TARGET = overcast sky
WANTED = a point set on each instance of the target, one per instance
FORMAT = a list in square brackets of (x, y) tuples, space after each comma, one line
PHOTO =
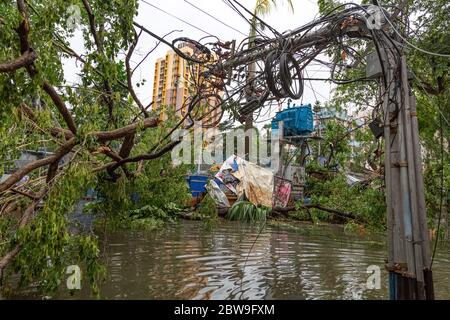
[(281, 19)]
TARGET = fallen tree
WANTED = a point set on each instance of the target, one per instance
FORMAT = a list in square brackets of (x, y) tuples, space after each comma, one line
[(345, 215), (92, 128)]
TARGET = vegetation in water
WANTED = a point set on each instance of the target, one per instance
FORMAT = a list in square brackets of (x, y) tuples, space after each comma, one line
[(207, 207), (207, 212), (247, 212)]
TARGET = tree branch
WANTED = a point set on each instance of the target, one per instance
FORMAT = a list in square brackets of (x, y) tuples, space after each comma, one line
[(91, 18), (147, 156), (29, 194), (129, 74), (52, 170), (24, 27), (75, 55), (23, 32), (103, 136), (127, 146), (19, 174), (61, 106), (55, 131), (346, 215), (111, 154), (24, 60), (25, 218)]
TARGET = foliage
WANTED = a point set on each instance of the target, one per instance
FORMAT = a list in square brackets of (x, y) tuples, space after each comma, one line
[(41, 110), (247, 212), (157, 184), (207, 211), (207, 207), (429, 30), (367, 203), (149, 217), (48, 247)]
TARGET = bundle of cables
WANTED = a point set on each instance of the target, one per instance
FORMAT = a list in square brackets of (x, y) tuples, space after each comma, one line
[(283, 75)]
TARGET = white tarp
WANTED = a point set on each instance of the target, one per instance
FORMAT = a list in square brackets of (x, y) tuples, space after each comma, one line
[(352, 179), (255, 182)]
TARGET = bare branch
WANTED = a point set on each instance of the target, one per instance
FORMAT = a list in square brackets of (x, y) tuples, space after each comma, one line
[(129, 75), (147, 156), (153, 49)]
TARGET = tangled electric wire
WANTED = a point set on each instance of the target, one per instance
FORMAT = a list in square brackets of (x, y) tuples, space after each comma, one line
[(261, 69)]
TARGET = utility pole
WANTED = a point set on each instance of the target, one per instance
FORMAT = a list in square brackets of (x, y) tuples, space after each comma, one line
[(248, 127), (409, 256), (409, 252)]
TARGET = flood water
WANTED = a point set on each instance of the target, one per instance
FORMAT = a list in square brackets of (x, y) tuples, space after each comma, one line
[(236, 261)]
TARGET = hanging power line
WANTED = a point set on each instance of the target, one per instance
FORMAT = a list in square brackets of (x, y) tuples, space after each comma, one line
[(312, 87), (178, 18), (274, 31), (314, 92), (419, 83), (233, 7), (218, 20), (412, 45)]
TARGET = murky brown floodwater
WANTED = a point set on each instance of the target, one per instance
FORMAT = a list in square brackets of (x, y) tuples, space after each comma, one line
[(188, 261)]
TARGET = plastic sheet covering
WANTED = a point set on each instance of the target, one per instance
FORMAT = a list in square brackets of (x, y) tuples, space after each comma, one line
[(217, 195), (224, 174), (256, 183), (282, 194)]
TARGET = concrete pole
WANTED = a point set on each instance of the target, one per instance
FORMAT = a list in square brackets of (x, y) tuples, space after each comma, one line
[(417, 238), (408, 240), (397, 262), (425, 237), (387, 179)]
